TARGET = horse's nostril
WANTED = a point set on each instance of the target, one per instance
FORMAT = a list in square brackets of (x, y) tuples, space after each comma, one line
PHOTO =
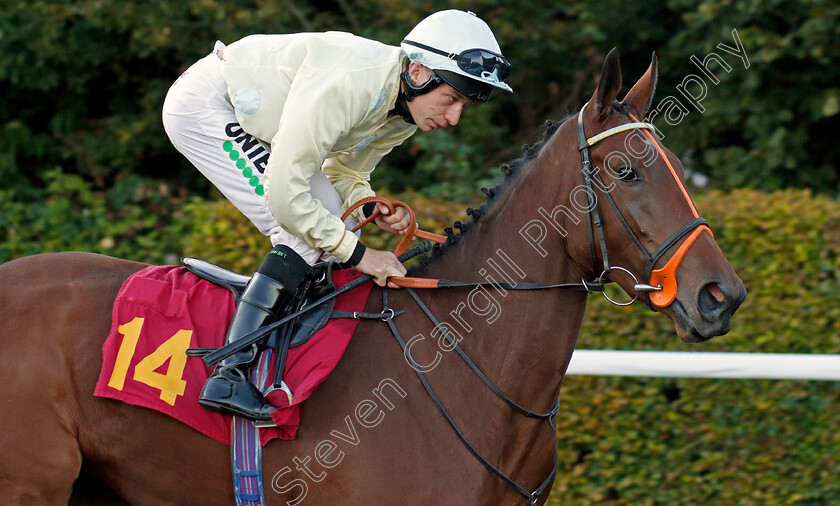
[(716, 292), (712, 300)]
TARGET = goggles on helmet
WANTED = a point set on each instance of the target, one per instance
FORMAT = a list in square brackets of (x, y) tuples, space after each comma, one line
[(476, 62)]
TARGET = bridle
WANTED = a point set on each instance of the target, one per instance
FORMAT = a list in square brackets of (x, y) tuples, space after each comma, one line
[(660, 284)]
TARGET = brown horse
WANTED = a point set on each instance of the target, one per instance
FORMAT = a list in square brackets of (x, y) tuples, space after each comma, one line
[(371, 434)]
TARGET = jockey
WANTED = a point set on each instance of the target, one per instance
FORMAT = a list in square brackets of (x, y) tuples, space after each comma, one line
[(290, 127)]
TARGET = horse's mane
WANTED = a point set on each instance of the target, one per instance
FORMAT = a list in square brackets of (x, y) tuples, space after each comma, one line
[(529, 152)]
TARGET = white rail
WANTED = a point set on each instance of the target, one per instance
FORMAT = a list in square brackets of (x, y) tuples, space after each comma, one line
[(705, 365)]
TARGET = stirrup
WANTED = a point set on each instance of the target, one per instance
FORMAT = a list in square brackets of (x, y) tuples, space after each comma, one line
[(285, 388)]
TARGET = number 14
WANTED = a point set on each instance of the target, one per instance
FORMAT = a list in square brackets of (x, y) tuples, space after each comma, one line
[(174, 349)]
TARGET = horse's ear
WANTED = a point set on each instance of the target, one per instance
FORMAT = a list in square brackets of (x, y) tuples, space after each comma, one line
[(608, 86), (640, 97)]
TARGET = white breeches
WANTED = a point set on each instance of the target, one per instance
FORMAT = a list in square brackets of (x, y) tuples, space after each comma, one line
[(200, 121)]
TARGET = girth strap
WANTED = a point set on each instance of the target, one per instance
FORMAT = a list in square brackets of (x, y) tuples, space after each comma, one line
[(356, 315)]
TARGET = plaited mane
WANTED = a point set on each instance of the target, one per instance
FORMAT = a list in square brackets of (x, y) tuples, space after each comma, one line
[(509, 170)]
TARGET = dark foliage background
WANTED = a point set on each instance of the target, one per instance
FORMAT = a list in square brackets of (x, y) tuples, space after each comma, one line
[(82, 84)]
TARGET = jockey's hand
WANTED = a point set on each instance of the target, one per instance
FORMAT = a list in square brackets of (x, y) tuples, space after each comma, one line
[(381, 265), (396, 223)]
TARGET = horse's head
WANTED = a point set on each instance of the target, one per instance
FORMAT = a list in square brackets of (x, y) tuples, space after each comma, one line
[(649, 227)]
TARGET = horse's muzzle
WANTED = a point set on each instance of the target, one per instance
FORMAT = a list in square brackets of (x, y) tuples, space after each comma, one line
[(711, 315)]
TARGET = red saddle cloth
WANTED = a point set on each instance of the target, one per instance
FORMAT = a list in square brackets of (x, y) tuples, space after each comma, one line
[(161, 311)]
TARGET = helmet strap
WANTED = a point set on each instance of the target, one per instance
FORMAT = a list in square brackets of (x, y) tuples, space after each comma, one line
[(412, 90), (401, 108), (409, 90)]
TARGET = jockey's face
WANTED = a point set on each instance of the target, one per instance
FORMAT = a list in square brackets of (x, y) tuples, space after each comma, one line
[(438, 108)]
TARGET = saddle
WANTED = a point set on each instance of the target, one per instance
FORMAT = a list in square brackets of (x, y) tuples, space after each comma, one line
[(318, 284)]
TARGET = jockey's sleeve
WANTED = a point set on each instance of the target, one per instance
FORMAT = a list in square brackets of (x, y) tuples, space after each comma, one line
[(352, 184), (318, 111), (350, 172)]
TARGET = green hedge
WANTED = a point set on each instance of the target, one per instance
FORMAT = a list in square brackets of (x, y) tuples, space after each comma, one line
[(136, 218), (692, 441), (620, 440)]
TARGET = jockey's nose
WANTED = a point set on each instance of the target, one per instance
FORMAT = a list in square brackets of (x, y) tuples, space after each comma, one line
[(453, 114)]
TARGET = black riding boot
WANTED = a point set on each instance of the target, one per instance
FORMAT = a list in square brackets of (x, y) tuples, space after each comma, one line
[(270, 290)]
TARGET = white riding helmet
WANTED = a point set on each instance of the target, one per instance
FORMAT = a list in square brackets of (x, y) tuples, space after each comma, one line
[(462, 51)]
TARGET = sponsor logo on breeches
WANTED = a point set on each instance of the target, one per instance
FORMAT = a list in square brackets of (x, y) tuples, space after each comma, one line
[(244, 145)]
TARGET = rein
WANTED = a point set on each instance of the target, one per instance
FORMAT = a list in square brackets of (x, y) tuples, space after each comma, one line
[(254, 337), (409, 282)]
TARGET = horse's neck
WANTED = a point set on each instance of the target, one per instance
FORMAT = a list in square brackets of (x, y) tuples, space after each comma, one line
[(521, 339)]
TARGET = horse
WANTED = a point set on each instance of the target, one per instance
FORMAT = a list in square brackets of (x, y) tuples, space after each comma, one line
[(453, 401)]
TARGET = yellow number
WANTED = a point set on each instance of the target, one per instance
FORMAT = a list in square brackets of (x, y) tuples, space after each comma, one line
[(171, 384), (174, 349), (131, 334)]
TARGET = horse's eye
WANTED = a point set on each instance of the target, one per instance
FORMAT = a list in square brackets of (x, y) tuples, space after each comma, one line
[(627, 174)]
